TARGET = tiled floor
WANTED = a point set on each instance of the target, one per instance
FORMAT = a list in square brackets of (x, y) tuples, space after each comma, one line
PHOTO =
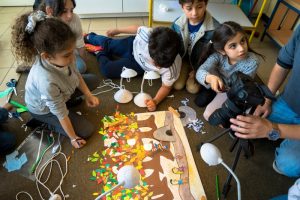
[(100, 26)]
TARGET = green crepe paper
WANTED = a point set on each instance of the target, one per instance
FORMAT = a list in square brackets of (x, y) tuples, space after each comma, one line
[(5, 92)]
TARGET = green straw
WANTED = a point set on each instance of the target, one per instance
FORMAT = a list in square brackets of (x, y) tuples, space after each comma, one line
[(217, 187), (14, 103)]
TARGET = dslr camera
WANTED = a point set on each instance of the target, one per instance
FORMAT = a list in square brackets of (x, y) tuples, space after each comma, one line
[(243, 94)]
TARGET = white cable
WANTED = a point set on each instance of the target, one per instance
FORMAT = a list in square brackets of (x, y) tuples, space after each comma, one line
[(39, 172), (40, 145), (23, 192), (107, 83)]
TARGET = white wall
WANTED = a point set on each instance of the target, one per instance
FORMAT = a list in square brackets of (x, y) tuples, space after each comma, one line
[(16, 2)]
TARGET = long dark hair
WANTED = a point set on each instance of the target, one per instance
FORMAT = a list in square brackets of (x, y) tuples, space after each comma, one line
[(58, 6), (221, 36), (50, 35)]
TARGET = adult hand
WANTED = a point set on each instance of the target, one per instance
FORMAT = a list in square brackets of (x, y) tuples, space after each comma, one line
[(263, 110), (250, 126), (78, 142), (112, 32), (91, 101), (151, 104), (215, 82)]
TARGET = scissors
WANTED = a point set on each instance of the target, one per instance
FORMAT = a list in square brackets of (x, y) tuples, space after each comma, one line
[(15, 115), (12, 84)]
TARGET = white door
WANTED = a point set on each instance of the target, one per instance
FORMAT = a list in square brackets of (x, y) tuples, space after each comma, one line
[(98, 6), (135, 6)]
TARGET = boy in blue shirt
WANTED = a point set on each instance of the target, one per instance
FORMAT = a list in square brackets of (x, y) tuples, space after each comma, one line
[(195, 27)]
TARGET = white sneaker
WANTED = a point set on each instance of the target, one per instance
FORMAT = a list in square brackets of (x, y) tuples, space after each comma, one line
[(276, 169)]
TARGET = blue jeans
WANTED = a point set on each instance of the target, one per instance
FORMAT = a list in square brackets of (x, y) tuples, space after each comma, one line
[(287, 155), (80, 64), (117, 53)]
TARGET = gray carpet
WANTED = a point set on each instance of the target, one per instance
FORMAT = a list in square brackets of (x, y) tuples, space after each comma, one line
[(258, 180)]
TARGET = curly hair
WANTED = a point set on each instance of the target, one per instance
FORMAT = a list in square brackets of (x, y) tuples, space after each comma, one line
[(164, 45), (50, 35)]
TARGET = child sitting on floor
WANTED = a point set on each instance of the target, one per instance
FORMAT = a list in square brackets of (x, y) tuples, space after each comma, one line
[(227, 52), (195, 28), (53, 78)]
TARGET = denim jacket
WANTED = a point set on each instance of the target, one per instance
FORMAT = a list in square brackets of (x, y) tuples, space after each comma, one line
[(204, 34)]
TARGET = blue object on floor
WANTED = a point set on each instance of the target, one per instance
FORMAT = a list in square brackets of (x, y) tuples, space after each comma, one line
[(13, 162)]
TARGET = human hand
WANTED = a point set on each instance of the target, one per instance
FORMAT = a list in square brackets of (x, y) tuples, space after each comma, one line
[(263, 110), (112, 32), (91, 101), (151, 104), (250, 126), (215, 82), (78, 142)]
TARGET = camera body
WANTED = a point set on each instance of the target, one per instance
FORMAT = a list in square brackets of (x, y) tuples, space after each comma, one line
[(243, 93)]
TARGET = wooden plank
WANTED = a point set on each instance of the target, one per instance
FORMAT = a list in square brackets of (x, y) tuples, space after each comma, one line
[(277, 19), (289, 20), (294, 3), (280, 36)]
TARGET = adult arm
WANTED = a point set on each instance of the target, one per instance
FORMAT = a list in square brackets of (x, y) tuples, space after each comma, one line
[(129, 30), (285, 61), (278, 75), (250, 127)]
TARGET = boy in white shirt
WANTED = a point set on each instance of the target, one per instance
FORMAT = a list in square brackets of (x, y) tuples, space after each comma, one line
[(150, 50)]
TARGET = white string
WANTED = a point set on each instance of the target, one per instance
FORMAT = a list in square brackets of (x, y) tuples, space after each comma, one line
[(150, 82), (107, 83), (39, 172), (111, 85), (23, 192)]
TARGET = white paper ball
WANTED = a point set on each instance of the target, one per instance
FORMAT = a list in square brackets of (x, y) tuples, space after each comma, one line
[(128, 175)]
